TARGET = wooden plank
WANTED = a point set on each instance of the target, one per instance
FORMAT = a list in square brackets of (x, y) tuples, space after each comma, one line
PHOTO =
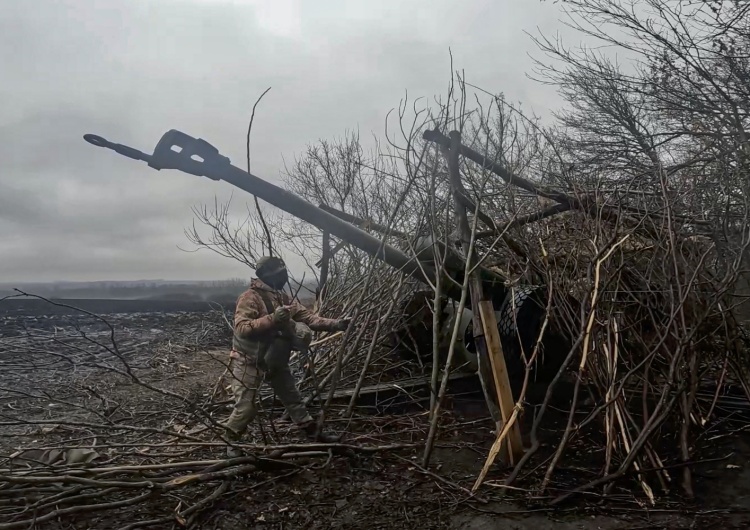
[(476, 290), (502, 382), (324, 263)]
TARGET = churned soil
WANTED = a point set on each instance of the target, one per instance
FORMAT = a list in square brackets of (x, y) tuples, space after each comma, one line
[(373, 479)]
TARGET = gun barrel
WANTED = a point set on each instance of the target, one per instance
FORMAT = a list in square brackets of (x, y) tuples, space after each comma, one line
[(297, 206), (177, 150)]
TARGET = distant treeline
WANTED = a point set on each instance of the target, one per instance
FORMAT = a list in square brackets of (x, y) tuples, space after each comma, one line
[(221, 291), (34, 307)]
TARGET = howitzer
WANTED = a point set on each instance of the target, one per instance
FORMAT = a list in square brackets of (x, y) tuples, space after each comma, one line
[(177, 150)]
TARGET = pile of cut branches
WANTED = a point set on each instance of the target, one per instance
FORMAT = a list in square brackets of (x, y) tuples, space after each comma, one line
[(631, 214), (108, 418)]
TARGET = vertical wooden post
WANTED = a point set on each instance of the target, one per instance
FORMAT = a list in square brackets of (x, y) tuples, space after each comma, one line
[(487, 339), (500, 377), (324, 262)]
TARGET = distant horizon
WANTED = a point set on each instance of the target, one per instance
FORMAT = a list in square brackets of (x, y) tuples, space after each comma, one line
[(242, 273), (145, 280), (135, 289), (115, 280)]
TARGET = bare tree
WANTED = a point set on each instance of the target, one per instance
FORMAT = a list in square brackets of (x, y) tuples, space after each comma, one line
[(625, 221)]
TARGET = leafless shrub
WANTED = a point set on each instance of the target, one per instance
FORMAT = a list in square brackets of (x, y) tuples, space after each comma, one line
[(631, 212)]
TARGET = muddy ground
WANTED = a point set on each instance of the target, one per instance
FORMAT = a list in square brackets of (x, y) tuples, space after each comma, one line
[(149, 404)]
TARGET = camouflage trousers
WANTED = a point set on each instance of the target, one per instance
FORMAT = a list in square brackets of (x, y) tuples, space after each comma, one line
[(248, 373)]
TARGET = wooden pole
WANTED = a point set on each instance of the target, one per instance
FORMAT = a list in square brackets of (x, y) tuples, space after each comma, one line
[(492, 369), (476, 292), (502, 382), (587, 204), (324, 263)]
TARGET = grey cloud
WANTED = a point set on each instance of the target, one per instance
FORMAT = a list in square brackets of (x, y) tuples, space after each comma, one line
[(129, 71), (16, 208)]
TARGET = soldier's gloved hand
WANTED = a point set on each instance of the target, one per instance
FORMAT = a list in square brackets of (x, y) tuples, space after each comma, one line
[(343, 324), (281, 316)]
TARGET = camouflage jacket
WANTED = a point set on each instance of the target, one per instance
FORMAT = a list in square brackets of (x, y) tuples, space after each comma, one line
[(253, 326)]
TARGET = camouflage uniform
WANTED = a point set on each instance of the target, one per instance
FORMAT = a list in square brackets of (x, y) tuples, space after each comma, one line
[(259, 349)]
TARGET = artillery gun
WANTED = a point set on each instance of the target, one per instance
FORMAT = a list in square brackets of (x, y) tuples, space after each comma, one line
[(519, 311)]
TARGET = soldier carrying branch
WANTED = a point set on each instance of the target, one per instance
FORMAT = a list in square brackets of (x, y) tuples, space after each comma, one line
[(267, 327)]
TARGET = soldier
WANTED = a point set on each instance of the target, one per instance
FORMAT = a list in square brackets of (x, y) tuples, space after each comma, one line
[(267, 327)]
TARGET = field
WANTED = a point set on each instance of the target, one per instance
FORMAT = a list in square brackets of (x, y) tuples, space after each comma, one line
[(109, 420)]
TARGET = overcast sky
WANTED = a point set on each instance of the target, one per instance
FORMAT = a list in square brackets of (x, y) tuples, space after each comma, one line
[(131, 70)]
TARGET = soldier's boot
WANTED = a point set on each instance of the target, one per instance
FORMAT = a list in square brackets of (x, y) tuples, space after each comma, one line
[(232, 438), (234, 452), (311, 431)]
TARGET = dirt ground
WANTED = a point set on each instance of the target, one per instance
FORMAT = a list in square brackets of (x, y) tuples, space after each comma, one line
[(357, 484)]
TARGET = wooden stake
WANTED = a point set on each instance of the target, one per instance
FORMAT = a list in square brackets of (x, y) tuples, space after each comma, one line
[(324, 263), (476, 290), (486, 336), (502, 382)]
